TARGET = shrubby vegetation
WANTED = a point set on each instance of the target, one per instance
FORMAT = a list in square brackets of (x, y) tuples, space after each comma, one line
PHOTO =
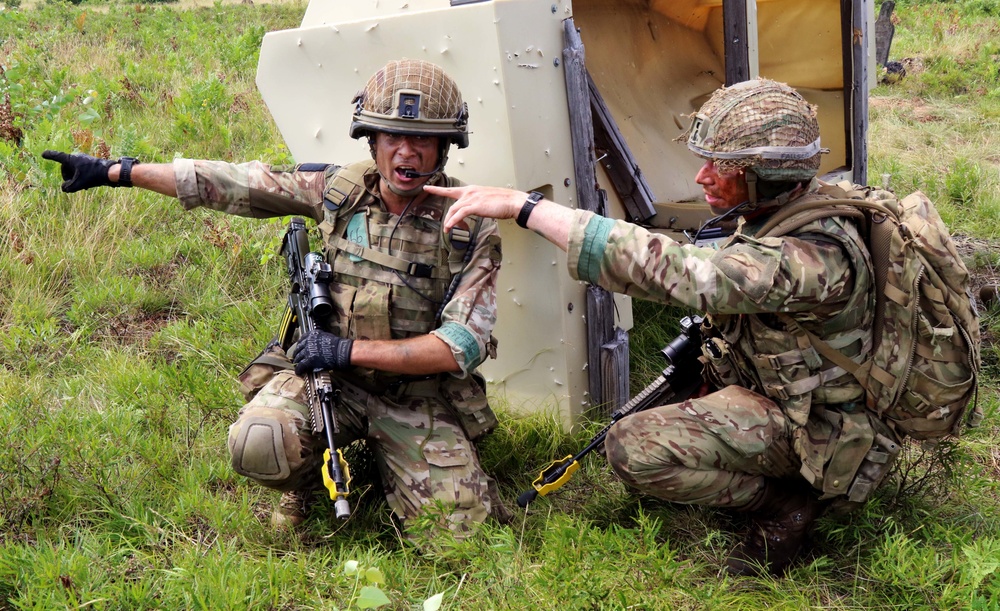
[(123, 320)]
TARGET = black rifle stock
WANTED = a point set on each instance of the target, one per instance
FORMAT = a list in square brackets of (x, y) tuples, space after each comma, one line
[(679, 380), (309, 302)]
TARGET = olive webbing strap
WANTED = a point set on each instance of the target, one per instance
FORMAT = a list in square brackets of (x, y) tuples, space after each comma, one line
[(879, 241), (385, 260), (815, 210), (823, 348)]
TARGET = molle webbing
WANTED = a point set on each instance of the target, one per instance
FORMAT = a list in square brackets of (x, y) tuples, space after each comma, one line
[(410, 268), (394, 283), (346, 180)]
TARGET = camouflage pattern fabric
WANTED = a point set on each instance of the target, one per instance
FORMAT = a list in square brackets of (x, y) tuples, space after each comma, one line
[(820, 277), (425, 455), (745, 125), (715, 450), (374, 301), (258, 191)]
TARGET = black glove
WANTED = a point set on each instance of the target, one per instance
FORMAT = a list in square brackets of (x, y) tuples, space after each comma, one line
[(318, 350), (81, 171)]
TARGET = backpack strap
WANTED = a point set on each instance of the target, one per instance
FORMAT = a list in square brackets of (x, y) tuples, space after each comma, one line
[(878, 221), (823, 348), (794, 216)]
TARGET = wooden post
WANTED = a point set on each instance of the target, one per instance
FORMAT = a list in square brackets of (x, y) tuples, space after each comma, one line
[(601, 338), (734, 20), (854, 32)]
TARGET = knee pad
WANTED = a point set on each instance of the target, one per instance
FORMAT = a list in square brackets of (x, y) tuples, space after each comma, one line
[(257, 448)]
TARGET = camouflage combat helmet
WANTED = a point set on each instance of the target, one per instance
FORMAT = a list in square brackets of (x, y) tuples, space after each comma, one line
[(411, 97), (758, 125)]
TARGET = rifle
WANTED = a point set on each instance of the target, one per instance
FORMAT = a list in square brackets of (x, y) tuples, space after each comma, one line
[(680, 379), (309, 303)]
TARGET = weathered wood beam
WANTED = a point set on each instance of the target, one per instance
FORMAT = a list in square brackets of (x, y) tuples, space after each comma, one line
[(600, 302), (734, 20), (620, 163)]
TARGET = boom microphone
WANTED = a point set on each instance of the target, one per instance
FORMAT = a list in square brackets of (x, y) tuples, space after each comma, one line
[(408, 173)]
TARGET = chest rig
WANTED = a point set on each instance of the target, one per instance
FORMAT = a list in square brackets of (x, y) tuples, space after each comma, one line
[(391, 275), (766, 353)]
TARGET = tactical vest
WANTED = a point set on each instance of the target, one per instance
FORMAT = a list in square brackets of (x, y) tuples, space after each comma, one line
[(391, 275), (761, 352)]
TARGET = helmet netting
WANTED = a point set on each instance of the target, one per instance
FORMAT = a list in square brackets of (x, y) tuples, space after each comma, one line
[(761, 113), (442, 98)]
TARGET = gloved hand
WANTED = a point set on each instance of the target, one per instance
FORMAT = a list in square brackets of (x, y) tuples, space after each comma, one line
[(318, 350), (81, 171)]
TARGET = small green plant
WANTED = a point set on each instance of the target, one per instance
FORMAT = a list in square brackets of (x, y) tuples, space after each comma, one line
[(370, 595)]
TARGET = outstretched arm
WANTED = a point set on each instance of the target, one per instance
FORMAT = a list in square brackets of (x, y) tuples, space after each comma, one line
[(157, 177), (548, 219), (80, 171)]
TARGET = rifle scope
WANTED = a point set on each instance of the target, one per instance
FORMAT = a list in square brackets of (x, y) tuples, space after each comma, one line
[(687, 344)]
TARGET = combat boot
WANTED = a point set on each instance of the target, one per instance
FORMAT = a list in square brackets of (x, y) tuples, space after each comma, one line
[(782, 518), (293, 508)]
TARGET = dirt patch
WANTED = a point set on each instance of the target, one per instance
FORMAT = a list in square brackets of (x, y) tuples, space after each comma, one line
[(984, 270), (134, 328), (915, 108), (984, 265)]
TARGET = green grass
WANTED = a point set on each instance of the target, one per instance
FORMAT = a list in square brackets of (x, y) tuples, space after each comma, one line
[(124, 319)]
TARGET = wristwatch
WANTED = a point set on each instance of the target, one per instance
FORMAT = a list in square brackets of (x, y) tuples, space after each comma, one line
[(522, 217), (125, 173)]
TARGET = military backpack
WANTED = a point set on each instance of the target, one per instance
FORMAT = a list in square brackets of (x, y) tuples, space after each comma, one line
[(923, 369)]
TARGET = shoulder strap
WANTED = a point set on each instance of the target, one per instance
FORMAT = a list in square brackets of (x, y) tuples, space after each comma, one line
[(347, 181), (796, 215)]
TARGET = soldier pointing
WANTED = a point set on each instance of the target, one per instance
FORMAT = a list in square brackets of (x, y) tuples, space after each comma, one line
[(414, 306), (785, 431)]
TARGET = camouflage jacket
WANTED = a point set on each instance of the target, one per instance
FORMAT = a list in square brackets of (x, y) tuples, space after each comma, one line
[(258, 190), (819, 277)]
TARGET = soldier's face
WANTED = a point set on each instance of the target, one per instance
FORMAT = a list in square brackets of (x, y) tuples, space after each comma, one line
[(722, 191), (395, 154)]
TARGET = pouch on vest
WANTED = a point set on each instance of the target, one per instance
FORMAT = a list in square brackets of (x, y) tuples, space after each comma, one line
[(467, 398)]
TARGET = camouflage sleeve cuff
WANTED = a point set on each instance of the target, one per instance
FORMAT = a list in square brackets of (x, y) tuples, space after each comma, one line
[(463, 345), (187, 183), (588, 238)]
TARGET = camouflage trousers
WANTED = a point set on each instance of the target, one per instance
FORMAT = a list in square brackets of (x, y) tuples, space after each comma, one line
[(424, 457), (716, 450)]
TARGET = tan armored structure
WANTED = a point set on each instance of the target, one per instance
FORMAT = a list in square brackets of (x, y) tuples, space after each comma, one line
[(581, 101)]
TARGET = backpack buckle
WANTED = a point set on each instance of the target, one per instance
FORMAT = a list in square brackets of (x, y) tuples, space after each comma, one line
[(776, 391)]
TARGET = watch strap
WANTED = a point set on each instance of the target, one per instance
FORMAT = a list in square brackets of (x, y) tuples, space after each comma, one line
[(522, 217), (125, 172)]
